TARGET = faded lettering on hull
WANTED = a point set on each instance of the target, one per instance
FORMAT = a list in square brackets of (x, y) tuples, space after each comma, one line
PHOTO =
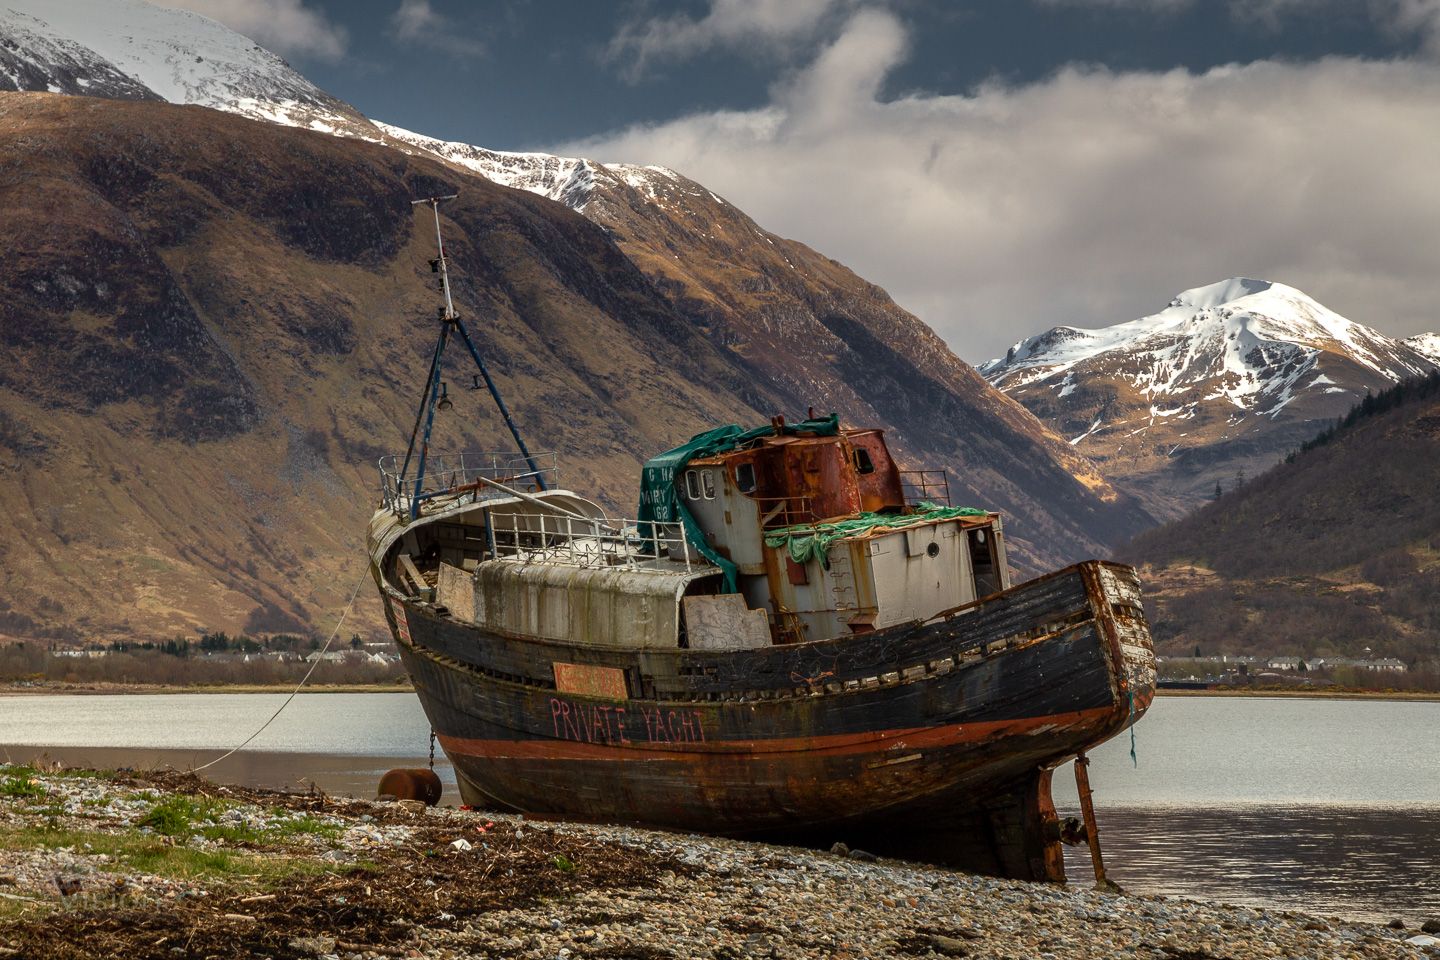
[(609, 724)]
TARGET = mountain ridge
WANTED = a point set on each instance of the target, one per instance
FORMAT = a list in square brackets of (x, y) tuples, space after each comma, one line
[(130, 49)]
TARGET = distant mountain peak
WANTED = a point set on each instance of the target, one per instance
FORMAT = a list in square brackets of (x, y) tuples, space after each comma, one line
[(569, 180), (1255, 343), (1228, 375), (1215, 294)]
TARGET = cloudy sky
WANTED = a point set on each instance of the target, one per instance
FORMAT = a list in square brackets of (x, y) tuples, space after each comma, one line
[(1000, 166)]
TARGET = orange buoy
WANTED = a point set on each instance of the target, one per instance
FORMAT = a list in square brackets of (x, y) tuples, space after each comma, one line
[(411, 784)]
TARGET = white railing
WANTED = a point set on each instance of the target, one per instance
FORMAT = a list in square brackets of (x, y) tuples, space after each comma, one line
[(447, 473), (549, 538)]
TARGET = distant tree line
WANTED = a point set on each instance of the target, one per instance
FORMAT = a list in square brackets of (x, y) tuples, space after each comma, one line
[(1415, 388), (164, 663), (221, 642)]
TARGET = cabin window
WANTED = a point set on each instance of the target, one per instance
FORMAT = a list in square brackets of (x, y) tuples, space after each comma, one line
[(692, 484), (707, 483), (745, 478), (863, 463)]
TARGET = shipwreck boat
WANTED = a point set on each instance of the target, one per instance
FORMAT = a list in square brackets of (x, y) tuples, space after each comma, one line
[(794, 639)]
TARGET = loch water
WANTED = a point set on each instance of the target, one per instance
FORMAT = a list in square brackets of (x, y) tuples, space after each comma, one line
[(1327, 806)]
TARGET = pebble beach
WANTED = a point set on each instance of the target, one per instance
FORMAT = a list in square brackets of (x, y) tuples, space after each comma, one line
[(170, 865)]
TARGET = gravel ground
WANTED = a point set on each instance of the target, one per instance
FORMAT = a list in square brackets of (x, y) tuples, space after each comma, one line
[(386, 880)]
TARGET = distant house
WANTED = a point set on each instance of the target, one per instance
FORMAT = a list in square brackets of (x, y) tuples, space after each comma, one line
[(351, 656), (1381, 665), (1283, 663), (332, 656)]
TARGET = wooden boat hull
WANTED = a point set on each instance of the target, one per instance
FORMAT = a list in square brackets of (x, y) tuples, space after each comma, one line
[(932, 740)]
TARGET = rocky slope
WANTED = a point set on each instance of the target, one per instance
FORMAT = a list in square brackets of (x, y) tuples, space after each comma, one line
[(199, 381), (1223, 382), (1332, 553)]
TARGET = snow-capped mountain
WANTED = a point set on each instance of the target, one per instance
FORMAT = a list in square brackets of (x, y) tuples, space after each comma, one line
[(1426, 344), (132, 50), (1225, 379), (574, 181)]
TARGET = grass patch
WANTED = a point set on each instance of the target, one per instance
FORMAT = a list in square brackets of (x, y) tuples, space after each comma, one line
[(23, 786), (149, 854), (173, 816), (181, 817), (306, 825)]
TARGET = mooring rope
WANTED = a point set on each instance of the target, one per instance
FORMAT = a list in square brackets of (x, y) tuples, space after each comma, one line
[(319, 658)]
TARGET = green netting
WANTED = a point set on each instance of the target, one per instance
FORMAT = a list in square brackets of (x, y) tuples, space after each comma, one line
[(659, 493), (813, 540)]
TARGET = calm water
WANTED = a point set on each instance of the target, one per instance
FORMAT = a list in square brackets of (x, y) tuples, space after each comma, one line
[(1323, 805), (1327, 806)]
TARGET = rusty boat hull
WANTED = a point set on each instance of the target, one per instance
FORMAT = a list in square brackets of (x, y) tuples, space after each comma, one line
[(931, 740)]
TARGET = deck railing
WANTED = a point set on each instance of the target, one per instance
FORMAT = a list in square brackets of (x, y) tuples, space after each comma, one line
[(552, 538), (447, 473)]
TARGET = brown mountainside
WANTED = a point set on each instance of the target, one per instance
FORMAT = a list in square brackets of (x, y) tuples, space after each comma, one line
[(212, 327), (1330, 554)]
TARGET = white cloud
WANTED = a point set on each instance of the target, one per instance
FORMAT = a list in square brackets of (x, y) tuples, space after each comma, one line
[(286, 27), (1091, 197), (768, 24), (416, 21)]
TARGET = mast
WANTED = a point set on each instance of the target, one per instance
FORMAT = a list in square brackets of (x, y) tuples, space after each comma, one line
[(435, 392)]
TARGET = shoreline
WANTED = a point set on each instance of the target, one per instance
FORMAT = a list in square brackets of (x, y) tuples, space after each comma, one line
[(96, 865), (91, 689), (1291, 694)]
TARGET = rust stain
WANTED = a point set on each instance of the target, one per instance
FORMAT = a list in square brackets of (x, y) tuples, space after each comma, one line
[(591, 681)]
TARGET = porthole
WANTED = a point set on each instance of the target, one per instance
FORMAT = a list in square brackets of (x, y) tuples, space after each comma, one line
[(692, 484), (707, 483), (745, 478), (933, 550)]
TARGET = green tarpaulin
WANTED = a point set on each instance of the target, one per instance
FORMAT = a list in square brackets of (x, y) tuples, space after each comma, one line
[(813, 540), (659, 494)]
